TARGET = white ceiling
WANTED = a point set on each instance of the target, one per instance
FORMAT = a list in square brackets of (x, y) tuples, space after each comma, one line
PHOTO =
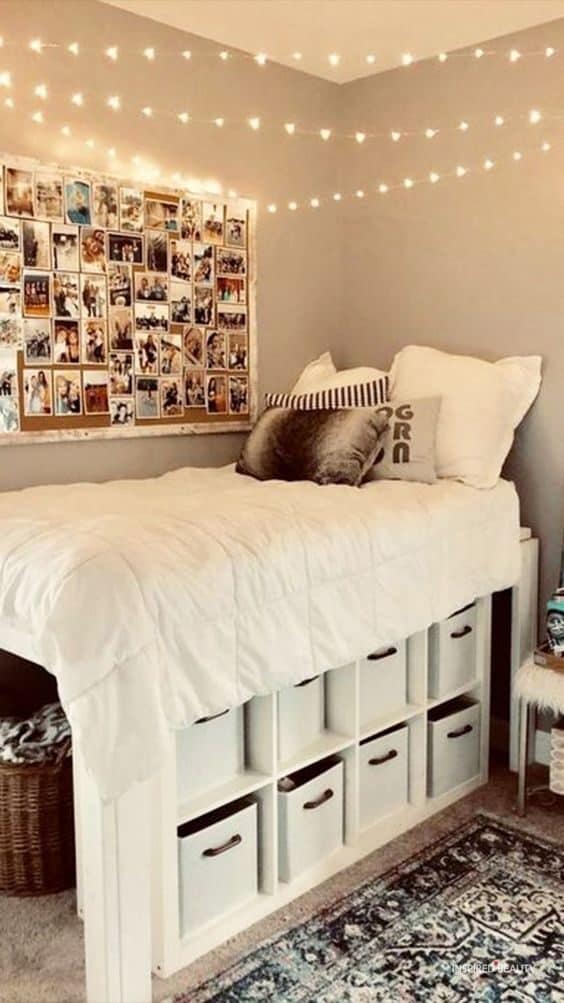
[(352, 28)]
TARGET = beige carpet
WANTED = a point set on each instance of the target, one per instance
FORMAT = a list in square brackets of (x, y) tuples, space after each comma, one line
[(41, 950)]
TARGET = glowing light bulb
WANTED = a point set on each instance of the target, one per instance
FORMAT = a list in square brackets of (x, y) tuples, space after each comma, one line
[(517, 155), (219, 122), (271, 207), (297, 56), (261, 59), (314, 203), (232, 194), (396, 136), (254, 123), (187, 54), (514, 55), (371, 59), (77, 99), (334, 58), (360, 137), (408, 183), (478, 53), (36, 45), (183, 117), (38, 117), (359, 193), (434, 177), (147, 111), (325, 134), (534, 116), (292, 206), (290, 128), (430, 133), (442, 57), (66, 131), (407, 59), (499, 120), (9, 102), (112, 52), (488, 164), (224, 55), (149, 53), (463, 126), (383, 189), (41, 91), (337, 197), (73, 48), (460, 172), (549, 51), (114, 102), (5, 79), (1, 41), (90, 143), (545, 146), (111, 152)]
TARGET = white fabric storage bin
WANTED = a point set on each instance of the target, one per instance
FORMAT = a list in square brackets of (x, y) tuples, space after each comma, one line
[(209, 753), (217, 864), (301, 716), (452, 661), (383, 774), (310, 818), (453, 731), (383, 683)]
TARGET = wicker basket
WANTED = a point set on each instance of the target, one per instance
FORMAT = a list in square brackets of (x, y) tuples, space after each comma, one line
[(37, 827), (544, 657)]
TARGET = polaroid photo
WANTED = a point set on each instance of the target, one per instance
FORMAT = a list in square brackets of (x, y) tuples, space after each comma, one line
[(10, 268), (231, 289), (193, 342), (105, 204), (151, 287), (231, 262), (171, 354), (9, 414), (93, 296), (9, 234), (94, 342), (235, 227), (38, 342), (151, 317), (238, 395), (122, 411), (190, 219), (49, 201), (203, 264), (10, 300), (64, 247), (216, 394), (121, 374), (67, 392), (11, 333), (161, 214), (66, 295), (96, 391), (19, 192), (147, 404), (172, 404), (119, 284), (231, 318), (38, 393), (213, 213), (180, 303), (120, 329), (92, 249), (36, 294), (66, 343), (204, 306), (8, 375), (238, 351), (125, 248), (131, 209), (156, 251), (36, 241), (147, 352), (216, 350), (78, 207), (194, 388), (181, 260)]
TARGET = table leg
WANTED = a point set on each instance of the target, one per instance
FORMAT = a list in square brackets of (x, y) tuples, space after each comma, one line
[(523, 757)]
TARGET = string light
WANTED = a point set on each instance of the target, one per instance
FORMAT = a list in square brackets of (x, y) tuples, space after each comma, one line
[(219, 122), (478, 53), (112, 53), (73, 48), (383, 189), (37, 116), (461, 171), (442, 57), (9, 102), (517, 155), (545, 147), (290, 128), (314, 203), (334, 58), (408, 182), (488, 164), (147, 111), (183, 117), (407, 59), (77, 99), (499, 120), (149, 53), (261, 59), (337, 197), (325, 134), (41, 91), (114, 102), (395, 136), (360, 137), (534, 116), (254, 123), (36, 45), (434, 177), (187, 54), (371, 59), (111, 152), (463, 126), (224, 55), (90, 143), (430, 133), (297, 56), (549, 51), (271, 207), (514, 55), (359, 193), (292, 206), (66, 130)]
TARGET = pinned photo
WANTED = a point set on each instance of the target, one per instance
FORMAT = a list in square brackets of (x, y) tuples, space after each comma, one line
[(193, 341), (38, 393), (147, 353), (151, 287), (194, 389), (122, 412), (161, 214), (121, 330), (213, 221), (125, 248), (9, 234), (121, 374), (216, 350), (105, 204), (238, 395), (68, 393), (151, 317), (93, 295), (10, 267), (37, 294), (94, 342), (180, 303), (95, 387), (38, 343), (230, 262), (231, 318), (171, 399), (9, 414), (119, 284), (190, 219), (181, 260), (235, 228), (157, 251), (66, 294), (131, 209), (66, 343), (36, 244), (19, 192), (49, 196), (147, 403), (171, 354), (77, 202), (10, 333), (231, 289), (8, 379), (216, 394), (92, 249), (10, 300), (64, 242), (203, 306), (203, 264), (238, 352)]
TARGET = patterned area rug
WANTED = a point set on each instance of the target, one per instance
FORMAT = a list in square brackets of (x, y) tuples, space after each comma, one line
[(477, 916)]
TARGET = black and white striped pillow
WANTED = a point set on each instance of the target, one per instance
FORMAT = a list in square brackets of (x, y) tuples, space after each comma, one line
[(369, 394)]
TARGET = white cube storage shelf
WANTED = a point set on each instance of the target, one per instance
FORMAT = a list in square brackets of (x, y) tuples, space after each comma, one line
[(372, 732)]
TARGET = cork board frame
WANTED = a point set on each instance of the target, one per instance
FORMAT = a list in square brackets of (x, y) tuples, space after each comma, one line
[(37, 199)]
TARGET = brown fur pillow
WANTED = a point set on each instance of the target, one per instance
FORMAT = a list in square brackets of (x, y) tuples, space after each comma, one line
[(328, 447)]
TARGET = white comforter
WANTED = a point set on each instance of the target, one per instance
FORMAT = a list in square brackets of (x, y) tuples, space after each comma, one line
[(156, 602)]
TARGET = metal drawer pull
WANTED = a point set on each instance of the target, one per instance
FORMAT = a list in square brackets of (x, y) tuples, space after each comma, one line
[(326, 796), (461, 633), (377, 655), (378, 760), (306, 682), (214, 851), (460, 732), (204, 720)]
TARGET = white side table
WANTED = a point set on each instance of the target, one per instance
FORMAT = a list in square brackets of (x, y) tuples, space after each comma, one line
[(537, 688)]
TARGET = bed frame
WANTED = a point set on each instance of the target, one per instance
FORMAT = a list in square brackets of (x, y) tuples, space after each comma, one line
[(127, 871)]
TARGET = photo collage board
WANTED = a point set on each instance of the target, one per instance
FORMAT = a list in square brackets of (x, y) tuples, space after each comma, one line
[(122, 309)]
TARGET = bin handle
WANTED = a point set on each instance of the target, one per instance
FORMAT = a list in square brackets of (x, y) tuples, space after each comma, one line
[(306, 682), (461, 633), (460, 732), (214, 851), (378, 760), (377, 655), (326, 796), (213, 717)]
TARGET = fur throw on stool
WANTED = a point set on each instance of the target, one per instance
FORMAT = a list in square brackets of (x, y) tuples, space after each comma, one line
[(540, 686)]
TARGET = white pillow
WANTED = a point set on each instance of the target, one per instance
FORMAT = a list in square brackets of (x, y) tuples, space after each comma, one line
[(317, 371), (482, 404), (321, 374)]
